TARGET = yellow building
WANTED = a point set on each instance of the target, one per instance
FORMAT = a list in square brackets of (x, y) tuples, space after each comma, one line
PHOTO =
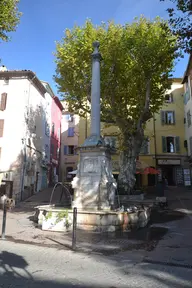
[(164, 147)]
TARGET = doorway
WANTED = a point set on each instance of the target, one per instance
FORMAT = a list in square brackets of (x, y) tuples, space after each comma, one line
[(168, 172)]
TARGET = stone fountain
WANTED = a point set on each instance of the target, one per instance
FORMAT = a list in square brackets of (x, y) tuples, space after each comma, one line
[(94, 184)]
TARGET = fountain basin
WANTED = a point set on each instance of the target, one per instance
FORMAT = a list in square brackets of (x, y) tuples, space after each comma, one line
[(55, 218)]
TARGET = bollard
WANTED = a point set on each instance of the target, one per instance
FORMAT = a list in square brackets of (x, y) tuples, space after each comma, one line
[(74, 228), (4, 219)]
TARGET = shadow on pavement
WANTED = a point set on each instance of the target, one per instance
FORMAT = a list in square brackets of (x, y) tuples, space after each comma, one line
[(13, 273), (13, 266)]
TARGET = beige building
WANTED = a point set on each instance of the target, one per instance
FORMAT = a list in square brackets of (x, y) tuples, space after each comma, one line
[(69, 143), (164, 147)]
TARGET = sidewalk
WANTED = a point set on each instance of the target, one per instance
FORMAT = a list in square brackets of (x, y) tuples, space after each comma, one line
[(175, 248)]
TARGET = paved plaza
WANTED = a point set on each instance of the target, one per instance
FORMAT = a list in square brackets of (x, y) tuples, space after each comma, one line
[(31, 257)]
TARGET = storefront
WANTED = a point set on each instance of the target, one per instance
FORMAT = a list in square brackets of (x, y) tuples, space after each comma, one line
[(174, 171)]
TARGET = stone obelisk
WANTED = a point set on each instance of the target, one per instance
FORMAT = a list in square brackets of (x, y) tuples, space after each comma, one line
[(94, 185)]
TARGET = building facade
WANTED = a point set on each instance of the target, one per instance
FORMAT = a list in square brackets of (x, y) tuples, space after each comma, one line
[(55, 140), (27, 111), (69, 143), (187, 82), (164, 146)]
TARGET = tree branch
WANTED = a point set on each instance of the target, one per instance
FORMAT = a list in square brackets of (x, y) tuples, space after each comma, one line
[(145, 112)]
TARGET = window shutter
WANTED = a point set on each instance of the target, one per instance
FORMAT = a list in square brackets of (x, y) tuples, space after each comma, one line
[(144, 147), (190, 140), (75, 150), (3, 101), (171, 97), (65, 150), (164, 144), (173, 117), (177, 144), (1, 127), (162, 117), (70, 131)]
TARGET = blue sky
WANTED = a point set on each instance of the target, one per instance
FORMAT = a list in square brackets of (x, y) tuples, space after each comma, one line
[(44, 21)]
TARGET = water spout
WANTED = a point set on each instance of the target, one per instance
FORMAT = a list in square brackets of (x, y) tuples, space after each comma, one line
[(65, 187)]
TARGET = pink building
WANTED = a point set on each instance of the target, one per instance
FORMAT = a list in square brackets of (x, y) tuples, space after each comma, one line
[(55, 139)]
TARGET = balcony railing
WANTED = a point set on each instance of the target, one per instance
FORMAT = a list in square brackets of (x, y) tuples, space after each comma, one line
[(186, 97)]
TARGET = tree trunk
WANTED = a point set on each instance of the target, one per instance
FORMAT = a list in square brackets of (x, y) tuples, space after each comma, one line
[(128, 158)]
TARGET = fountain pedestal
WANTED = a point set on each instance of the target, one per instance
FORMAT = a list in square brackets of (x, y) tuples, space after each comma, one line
[(94, 185)]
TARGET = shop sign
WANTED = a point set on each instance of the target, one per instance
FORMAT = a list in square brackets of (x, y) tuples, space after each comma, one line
[(169, 162)]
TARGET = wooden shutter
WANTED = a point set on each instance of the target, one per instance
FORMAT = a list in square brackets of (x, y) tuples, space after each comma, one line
[(3, 101), (65, 150), (70, 131), (171, 97), (190, 142), (173, 117), (164, 144), (162, 117), (75, 150), (177, 144), (1, 127)]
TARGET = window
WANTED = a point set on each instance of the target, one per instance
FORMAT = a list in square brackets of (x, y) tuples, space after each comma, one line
[(111, 141), (3, 101), (58, 133), (6, 82), (1, 127), (185, 144), (188, 118), (170, 144), (69, 169), (69, 150), (169, 98), (47, 132), (69, 118), (168, 117), (58, 151), (187, 85), (53, 129), (145, 146), (71, 131), (52, 149), (190, 142), (46, 150)]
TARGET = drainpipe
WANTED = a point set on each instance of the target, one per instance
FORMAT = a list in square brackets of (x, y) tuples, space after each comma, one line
[(24, 167), (155, 145)]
